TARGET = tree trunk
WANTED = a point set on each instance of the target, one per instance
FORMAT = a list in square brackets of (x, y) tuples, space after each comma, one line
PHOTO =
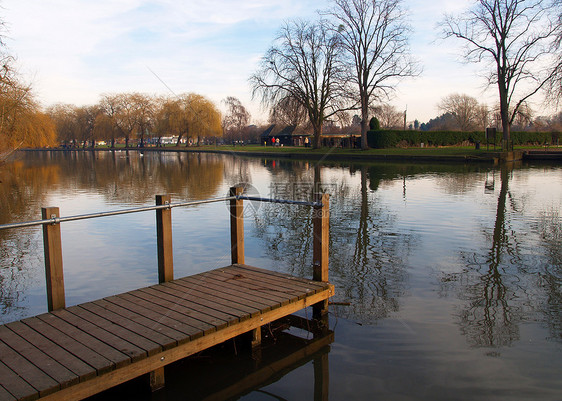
[(364, 127), (317, 134), (504, 113)]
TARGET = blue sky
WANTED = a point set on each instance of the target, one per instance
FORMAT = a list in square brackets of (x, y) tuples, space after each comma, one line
[(75, 50)]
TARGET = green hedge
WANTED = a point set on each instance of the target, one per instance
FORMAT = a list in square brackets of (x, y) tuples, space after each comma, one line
[(391, 138)]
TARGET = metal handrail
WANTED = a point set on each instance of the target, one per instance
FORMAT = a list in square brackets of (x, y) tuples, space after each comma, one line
[(57, 220), (283, 201)]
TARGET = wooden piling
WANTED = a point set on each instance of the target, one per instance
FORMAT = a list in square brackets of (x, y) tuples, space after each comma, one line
[(53, 259), (237, 226), (164, 239), (321, 247), (165, 267)]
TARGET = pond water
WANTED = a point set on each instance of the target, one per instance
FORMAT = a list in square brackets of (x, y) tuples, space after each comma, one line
[(449, 276)]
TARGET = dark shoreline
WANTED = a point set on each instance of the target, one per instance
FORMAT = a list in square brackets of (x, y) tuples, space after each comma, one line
[(487, 157)]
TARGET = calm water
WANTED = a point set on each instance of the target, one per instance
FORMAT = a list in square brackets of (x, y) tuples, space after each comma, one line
[(452, 273)]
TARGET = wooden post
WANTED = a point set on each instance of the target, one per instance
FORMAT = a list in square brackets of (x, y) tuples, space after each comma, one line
[(53, 259), (157, 379), (256, 344), (237, 250), (164, 238), (321, 247), (237, 226), (165, 267)]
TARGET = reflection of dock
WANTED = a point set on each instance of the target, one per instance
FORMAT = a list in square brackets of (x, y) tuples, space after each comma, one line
[(72, 353), (226, 378)]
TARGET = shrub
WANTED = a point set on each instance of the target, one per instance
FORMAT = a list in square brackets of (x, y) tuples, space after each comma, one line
[(374, 124), (382, 139), (391, 138)]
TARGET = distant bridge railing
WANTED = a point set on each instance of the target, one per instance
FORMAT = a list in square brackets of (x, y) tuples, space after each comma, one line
[(52, 243)]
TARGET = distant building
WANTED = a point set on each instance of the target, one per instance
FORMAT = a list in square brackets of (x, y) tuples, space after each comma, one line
[(287, 136)]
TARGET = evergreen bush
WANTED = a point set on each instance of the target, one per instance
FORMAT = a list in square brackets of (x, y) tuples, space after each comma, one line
[(380, 139)]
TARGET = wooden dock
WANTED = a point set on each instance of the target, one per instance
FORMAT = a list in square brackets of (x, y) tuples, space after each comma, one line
[(71, 353), (79, 351)]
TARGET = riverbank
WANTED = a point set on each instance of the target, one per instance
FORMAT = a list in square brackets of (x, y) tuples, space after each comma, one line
[(423, 155)]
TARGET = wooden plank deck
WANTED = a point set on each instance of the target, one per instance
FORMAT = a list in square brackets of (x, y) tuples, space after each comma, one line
[(75, 352)]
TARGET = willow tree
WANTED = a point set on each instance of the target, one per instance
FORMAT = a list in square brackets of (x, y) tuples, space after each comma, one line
[(236, 118), (143, 111), (303, 64), (110, 119), (375, 38), (64, 118), (288, 111), (205, 118), (22, 123), (188, 116), (515, 38)]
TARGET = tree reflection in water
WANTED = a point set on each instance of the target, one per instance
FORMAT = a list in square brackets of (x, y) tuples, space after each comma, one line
[(510, 273), (122, 178), (21, 187), (506, 286), (366, 252)]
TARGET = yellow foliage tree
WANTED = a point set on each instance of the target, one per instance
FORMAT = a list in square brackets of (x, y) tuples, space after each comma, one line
[(22, 124), (190, 116)]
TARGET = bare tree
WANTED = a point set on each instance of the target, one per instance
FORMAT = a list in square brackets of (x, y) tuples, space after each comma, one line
[(303, 64), (389, 117), (288, 111), (375, 37), (464, 109), (482, 116), (554, 86), (236, 118), (521, 121), (515, 37)]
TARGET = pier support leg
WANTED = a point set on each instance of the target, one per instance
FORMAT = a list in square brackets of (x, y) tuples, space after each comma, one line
[(256, 344), (237, 226), (165, 266), (157, 380), (256, 337), (53, 259), (321, 248), (164, 240)]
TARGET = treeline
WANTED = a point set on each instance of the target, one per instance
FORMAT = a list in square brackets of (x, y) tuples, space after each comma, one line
[(136, 116), (394, 138)]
